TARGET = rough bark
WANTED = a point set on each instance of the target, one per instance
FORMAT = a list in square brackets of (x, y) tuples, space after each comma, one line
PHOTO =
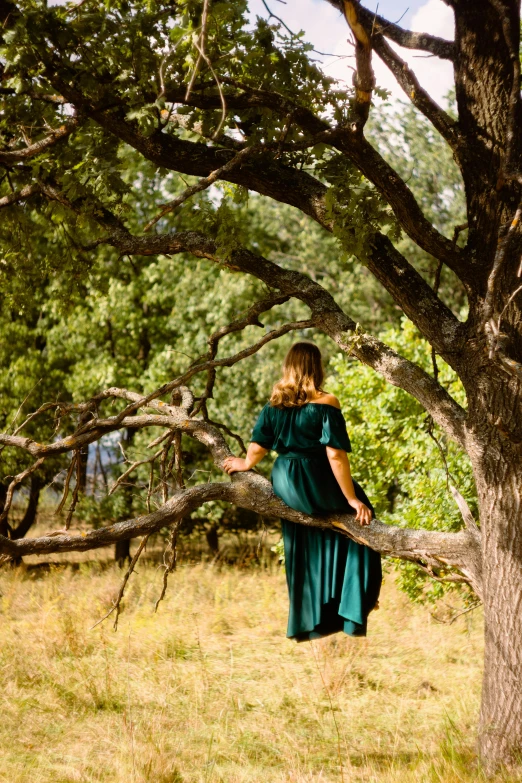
[(499, 484)]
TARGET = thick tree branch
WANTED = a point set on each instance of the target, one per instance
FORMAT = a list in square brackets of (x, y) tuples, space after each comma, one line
[(267, 176), (253, 492), (406, 285)]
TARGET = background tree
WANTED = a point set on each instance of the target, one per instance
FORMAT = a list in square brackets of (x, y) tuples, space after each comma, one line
[(192, 89)]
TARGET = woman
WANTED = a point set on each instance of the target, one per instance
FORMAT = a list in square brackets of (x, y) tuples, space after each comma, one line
[(333, 582)]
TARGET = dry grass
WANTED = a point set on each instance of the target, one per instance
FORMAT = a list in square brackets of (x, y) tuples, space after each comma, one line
[(209, 689)]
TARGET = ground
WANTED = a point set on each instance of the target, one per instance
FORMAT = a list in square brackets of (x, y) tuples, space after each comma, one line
[(208, 689)]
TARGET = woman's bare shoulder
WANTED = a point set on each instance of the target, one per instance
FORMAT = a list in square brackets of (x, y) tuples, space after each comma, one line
[(329, 399)]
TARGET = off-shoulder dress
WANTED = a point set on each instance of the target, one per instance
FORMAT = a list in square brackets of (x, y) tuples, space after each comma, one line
[(333, 582)]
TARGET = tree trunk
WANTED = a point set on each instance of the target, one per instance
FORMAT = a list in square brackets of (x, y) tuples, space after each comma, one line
[(494, 416), (29, 517), (4, 527), (122, 552), (500, 487)]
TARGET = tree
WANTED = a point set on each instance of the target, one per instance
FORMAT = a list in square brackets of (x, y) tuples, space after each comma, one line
[(192, 89)]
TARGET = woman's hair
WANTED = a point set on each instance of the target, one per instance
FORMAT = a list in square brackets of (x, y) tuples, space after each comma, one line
[(303, 375)]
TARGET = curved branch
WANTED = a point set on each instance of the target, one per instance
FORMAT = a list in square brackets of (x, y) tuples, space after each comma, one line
[(252, 491), (424, 42), (264, 174)]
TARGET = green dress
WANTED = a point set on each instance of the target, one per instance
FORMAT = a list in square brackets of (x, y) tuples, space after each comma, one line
[(333, 582)]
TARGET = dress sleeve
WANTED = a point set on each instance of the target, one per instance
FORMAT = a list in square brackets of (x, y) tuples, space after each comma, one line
[(334, 429), (263, 433)]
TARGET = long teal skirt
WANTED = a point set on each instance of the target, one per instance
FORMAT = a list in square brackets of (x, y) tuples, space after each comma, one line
[(333, 582)]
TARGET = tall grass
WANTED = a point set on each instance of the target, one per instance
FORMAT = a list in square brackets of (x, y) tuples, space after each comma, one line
[(209, 689)]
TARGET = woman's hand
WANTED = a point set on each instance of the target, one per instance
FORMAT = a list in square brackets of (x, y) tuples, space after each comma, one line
[(362, 513), (235, 465), (254, 455)]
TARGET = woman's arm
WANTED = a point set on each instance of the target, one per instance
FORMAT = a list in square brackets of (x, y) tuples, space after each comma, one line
[(254, 455), (340, 465)]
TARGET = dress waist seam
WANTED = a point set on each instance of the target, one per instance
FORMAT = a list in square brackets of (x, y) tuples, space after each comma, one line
[(293, 455)]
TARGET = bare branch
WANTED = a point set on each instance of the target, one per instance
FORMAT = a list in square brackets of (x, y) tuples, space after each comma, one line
[(456, 615), (68, 477), (117, 603), (252, 491), (133, 467), (364, 78), (408, 38)]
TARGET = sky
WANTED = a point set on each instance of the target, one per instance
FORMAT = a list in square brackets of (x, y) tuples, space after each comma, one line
[(326, 29)]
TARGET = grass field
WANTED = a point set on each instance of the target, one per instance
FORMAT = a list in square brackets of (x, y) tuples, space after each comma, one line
[(209, 689)]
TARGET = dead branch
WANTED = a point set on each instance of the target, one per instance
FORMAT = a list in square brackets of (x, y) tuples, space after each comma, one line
[(66, 485), (456, 615), (364, 77), (135, 465), (117, 603)]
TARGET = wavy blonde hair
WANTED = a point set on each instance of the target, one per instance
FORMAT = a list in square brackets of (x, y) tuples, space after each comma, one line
[(303, 375)]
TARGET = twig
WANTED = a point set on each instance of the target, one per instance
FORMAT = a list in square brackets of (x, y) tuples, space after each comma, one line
[(327, 690), (134, 465), (21, 406), (455, 578), (202, 184), (169, 564), (66, 485), (117, 602), (76, 490), (201, 48), (457, 615)]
